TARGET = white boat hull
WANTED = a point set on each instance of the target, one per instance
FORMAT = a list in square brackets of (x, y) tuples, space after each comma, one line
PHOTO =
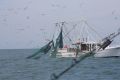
[(69, 54), (109, 52), (66, 53)]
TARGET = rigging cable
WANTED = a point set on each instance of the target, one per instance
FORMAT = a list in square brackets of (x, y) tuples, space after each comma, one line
[(93, 29)]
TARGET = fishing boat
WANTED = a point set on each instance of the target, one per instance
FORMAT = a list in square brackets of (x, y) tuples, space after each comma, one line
[(57, 47), (84, 46)]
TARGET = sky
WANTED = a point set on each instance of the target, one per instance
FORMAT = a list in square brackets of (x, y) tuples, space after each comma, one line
[(28, 23)]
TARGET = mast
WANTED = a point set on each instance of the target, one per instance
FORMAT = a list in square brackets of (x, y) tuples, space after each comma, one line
[(60, 38)]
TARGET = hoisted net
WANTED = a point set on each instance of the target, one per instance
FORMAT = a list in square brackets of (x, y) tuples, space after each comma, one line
[(43, 50), (58, 43)]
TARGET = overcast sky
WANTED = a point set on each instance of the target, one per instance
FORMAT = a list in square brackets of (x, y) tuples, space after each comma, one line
[(27, 23)]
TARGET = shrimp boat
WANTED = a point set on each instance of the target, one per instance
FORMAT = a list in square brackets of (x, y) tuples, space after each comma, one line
[(84, 46), (72, 47)]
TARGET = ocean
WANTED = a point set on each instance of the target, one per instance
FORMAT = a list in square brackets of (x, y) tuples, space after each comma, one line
[(15, 66)]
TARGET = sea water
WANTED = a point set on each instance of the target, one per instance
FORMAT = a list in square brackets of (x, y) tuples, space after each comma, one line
[(15, 66)]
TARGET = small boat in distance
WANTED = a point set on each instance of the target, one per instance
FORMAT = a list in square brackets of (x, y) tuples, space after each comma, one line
[(109, 52)]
